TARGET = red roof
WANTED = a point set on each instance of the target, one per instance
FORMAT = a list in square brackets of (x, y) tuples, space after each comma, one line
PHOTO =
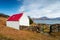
[(15, 17)]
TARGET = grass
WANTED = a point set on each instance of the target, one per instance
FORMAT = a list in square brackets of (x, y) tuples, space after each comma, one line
[(2, 37)]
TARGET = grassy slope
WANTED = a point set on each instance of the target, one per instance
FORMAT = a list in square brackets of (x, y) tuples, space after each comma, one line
[(20, 34)]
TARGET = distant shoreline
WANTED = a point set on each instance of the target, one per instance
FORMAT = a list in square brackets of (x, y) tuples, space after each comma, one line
[(47, 21)]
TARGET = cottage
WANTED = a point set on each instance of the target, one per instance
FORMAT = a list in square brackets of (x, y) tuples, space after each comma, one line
[(17, 20)]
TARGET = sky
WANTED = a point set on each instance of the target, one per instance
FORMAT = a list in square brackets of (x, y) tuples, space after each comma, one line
[(33, 8)]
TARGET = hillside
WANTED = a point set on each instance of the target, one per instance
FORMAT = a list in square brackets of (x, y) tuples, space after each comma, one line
[(3, 15), (7, 33)]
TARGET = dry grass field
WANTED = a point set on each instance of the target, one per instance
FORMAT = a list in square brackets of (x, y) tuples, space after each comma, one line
[(7, 33)]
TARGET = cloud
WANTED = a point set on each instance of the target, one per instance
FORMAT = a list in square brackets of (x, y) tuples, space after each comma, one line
[(40, 8)]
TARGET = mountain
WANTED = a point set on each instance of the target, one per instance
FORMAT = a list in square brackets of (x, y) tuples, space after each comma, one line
[(41, 18), (58, 18), (46, 18), (3, 15)]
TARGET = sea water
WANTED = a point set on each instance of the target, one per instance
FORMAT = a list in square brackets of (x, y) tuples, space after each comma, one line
[(47, 21)]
